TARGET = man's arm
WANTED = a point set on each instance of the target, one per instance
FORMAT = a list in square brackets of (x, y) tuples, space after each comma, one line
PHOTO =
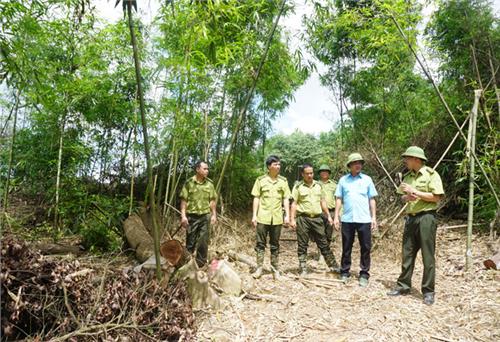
[(213, 210), (338, 206), (286, 205), (412, 194), (293, 211), (255, 208), (326, 212), (373, 212), (184, 220)]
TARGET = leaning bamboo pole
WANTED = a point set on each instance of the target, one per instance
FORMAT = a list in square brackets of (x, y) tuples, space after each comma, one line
[(471, 146), (58, 176)]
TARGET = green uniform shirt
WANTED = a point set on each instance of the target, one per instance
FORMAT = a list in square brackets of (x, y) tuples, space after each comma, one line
[(270, 194), (329, 186), (425, 180), (198, 195), (308, 198)]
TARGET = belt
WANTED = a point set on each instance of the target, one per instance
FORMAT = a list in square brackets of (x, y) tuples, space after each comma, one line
[(432, 212), (308, 215), (196, 215)]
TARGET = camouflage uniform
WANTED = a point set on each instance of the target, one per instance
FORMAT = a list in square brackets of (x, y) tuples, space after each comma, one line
[(309, 223), (329, 186), (198, 197), (271, 193)]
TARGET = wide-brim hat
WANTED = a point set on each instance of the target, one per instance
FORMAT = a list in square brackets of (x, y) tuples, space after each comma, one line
[(354, 157), (415, 151), (324, 167)]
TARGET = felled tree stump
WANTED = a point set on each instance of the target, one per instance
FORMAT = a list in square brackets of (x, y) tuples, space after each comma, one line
[(138, 237), (175, 253), (198, 286), (493, 262)]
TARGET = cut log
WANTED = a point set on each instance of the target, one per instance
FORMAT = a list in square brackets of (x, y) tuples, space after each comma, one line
[(493, 262), (245, 259), (56, 248), (138, 237)]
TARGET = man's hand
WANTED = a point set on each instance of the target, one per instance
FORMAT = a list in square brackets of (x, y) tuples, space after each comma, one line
[(336, 223), (407, 188), (374, 224), (184, 221), (213, 219), (409, 198), (254, 221), (330, 220), (293, 223), (286, 221)]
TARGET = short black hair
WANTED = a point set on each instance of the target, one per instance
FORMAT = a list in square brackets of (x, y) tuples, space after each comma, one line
[(305, 166), (198, 164), (272, 159)]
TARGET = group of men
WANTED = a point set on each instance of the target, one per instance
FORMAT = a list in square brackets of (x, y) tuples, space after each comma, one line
[(313, 209)]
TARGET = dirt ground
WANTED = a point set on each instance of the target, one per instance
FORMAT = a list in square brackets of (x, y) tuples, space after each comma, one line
[(321, 308)]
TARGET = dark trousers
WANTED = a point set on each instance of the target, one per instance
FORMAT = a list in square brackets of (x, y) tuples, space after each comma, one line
[(312, 228), (197, 236), (274, 233), (365, 242), (419, 234), (328, 227)]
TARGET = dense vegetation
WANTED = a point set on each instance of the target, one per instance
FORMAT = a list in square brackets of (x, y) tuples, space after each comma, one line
[(215, 75)]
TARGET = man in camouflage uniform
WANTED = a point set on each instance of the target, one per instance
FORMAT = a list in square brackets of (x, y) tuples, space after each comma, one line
[(308, 204), (329, 186), (198, 211), (421, 189), (271, 194)]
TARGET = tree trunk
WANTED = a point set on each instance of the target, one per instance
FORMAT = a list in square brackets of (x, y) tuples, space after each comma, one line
[(156, 234)]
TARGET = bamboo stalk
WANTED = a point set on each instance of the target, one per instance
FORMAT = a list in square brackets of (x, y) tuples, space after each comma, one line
[(58, 176), (11, 157), (137, 67), (471, 146)]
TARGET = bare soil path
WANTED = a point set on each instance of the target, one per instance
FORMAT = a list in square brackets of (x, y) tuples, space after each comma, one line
[(321, 308)]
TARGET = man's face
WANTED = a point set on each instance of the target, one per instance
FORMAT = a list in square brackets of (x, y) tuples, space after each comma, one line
[(274, 168), (324, 175), (202, 170), (308, 174), (412, 163), (356, 166)]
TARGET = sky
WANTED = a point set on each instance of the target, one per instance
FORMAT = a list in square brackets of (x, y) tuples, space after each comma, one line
[(312, 109)]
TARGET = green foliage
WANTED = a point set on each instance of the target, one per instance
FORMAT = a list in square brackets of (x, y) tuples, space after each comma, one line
[(100, 225)]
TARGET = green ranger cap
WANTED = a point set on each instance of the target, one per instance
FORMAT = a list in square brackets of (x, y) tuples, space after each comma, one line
[(324, 167), (354, 157), (415, 151)]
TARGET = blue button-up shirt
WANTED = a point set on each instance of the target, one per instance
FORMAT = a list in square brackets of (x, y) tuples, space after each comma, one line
[(356, 193)]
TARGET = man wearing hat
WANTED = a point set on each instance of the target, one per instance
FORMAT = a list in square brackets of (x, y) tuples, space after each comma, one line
[(307, 206), (421, 189), (356, 193), (329, 186)]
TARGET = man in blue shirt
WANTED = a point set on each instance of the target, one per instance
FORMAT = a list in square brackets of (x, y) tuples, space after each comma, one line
[(356, 193)]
